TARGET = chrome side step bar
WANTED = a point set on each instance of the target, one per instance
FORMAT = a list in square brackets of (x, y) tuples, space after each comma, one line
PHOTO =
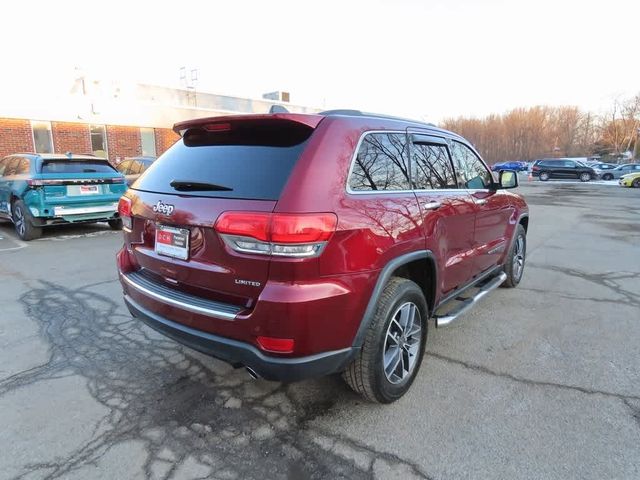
[(467, 302)]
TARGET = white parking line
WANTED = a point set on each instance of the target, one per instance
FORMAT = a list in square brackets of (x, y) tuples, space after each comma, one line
[(20, 244)]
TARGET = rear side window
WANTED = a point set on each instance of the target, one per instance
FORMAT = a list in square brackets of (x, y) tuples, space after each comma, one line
[(471, 172), (432, 168), (136, 167), (23, 167), (124, 166), (382, 163), (11, 166), (76, 166), (248, 160)]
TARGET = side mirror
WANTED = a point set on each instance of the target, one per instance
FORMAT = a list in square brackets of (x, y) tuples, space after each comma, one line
[(508, 179)]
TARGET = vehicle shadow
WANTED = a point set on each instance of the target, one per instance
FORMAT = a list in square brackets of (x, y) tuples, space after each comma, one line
[(184, 408), (60, 231)]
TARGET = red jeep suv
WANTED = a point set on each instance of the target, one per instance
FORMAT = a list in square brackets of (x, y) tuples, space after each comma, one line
[(305, 245)]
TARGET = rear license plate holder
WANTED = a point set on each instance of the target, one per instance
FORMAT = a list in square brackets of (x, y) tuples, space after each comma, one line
[(172, 242)]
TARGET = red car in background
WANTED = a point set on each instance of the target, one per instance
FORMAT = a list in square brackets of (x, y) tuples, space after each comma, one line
[(304, 245)]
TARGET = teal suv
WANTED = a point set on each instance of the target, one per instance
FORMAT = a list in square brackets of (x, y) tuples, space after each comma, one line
[(37, 190)]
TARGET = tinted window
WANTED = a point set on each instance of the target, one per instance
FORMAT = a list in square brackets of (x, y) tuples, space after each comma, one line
[(569, 164), (3, 164), (432, 167), (76, 166), (381, 163), (470, 170), (251, 161)]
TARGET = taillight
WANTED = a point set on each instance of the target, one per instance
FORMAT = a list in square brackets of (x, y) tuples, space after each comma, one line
[(281, 234), (124, 210), (42, 183)]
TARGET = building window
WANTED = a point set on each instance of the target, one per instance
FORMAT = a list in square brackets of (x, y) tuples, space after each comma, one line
[(42, 139), (99, 141), (148, 141)]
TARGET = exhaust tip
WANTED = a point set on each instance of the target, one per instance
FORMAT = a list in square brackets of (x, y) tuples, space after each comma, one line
[(252, 373)]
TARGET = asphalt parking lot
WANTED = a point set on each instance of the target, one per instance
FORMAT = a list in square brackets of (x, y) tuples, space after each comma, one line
[(538, 382)]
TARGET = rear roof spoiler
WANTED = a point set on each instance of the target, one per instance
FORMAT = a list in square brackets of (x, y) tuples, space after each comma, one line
[(302, 118)]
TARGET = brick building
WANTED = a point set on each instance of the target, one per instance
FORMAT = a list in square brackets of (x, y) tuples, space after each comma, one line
[(111, 119)]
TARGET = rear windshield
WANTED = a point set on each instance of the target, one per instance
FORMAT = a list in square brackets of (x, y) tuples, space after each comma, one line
[(76, 166), (249, 162)]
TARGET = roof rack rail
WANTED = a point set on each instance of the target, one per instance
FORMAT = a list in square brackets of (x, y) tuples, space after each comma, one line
[(359, 113)]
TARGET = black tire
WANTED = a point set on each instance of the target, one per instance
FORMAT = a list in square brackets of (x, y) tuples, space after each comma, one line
[(636, 183), (544, 176), (115, 224), (23, 222), (607, 176), (518, 249), (366, 374), (585, 177)]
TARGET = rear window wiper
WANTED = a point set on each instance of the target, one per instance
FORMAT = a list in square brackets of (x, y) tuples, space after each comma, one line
[(188, 186)]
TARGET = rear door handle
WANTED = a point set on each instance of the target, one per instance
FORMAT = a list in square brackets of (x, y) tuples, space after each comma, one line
[(432, 205)]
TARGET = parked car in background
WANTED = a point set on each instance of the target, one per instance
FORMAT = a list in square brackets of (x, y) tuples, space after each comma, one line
[(516, 166), (133, 167), (562, 168), (602, 166), (630, 180), (621, 170), (38, 190), (302, 245)]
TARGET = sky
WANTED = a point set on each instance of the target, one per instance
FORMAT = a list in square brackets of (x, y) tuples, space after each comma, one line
[(428, 60)]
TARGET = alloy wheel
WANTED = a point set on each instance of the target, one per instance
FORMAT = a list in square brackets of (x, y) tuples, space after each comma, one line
[(18, 220), (518, 258), (402, 343)]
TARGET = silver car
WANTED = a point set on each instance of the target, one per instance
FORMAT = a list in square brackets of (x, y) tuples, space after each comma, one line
[(617, 172)]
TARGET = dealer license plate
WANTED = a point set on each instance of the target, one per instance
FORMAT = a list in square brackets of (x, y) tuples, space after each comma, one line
[(172, 242)]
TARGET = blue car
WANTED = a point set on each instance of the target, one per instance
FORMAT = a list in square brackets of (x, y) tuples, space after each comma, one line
[(517, 166), (37, 190)]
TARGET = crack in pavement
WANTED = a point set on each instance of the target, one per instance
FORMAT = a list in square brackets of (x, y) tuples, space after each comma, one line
[(608, 280), (569, 296), (527, 381), (635, 410), (189, 412)]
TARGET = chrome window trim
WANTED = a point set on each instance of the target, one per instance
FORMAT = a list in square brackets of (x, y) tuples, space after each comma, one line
[(411, 131)]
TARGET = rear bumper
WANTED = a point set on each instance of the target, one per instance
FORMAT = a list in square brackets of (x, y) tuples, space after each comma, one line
[(243, 354)]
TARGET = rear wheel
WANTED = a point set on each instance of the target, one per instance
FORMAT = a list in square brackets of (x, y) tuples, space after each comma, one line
[(585, 177), (544, 176), (514, 263), (607, 176), (115, 224), (22, 221), (394, 345)]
